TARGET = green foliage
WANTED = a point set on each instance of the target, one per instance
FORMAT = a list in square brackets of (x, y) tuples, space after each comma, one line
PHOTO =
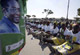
[(33, 15), (48, 12), (1, 14), (28, 16), (78, 11)]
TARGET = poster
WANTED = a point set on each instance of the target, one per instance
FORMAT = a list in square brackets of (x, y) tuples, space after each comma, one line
[(0, 48), (12, 26), (11, 17)]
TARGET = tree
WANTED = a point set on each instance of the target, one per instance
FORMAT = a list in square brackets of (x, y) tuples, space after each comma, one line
[(34, 16), (48, 12), (28, 16), (78, 11), (62, 18)]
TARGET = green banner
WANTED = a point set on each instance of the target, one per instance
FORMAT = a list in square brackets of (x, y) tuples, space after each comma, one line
[(12, 26)]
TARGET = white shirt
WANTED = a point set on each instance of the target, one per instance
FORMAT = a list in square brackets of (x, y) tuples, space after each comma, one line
[(54, 31), (50, 24), (30, 23), (33, 24), (66, 32), (39, 26), (42, 26), (47, 28), (31, 29), (50, 28), (77, 35), (17, 25)]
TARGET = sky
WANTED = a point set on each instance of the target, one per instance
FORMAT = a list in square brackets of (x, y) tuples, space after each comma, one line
[(59, 7)]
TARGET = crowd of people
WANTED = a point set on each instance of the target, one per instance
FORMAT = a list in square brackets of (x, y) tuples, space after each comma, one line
[(63, 30)]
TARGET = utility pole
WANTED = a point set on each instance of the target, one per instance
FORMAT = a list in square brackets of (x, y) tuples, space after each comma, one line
[(68, 9)]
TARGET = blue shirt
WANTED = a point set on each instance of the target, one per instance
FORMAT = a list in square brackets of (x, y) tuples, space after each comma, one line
[(6, 26)]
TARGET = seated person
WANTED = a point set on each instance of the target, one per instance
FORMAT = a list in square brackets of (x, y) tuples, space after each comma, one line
[(63, 31), (55, 30), (76, 33)]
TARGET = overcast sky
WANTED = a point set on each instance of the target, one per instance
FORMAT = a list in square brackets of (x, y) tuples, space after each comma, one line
[(59, 7)]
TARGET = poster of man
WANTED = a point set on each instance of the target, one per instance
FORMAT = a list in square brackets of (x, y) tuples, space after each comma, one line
[(11, 16)]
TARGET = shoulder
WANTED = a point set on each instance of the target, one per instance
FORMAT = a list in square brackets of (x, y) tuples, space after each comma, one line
[(4, 27), (56, 27), (79, 33), (3, 24)]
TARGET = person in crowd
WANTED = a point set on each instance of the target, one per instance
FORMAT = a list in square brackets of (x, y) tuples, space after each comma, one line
[(76, 33), (55, 30), (59, 25), (63, 31)]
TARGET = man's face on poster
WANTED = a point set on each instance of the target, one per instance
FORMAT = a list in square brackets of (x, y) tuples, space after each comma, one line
[(13, 11)]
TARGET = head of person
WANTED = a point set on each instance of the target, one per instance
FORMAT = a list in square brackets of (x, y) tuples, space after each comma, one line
[(11, 10), (63, 26), (44, 23), (75, 29), (59, 23), (48, 23), (67, 24), (70, 28), (55, 25)]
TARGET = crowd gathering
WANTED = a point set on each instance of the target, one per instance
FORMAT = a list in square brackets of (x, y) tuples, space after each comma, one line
[(62, 31)]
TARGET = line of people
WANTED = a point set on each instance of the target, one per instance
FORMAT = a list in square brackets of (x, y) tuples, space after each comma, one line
[(62, 31)]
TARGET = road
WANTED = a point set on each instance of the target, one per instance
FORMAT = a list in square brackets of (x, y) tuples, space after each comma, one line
[(33, 47)]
